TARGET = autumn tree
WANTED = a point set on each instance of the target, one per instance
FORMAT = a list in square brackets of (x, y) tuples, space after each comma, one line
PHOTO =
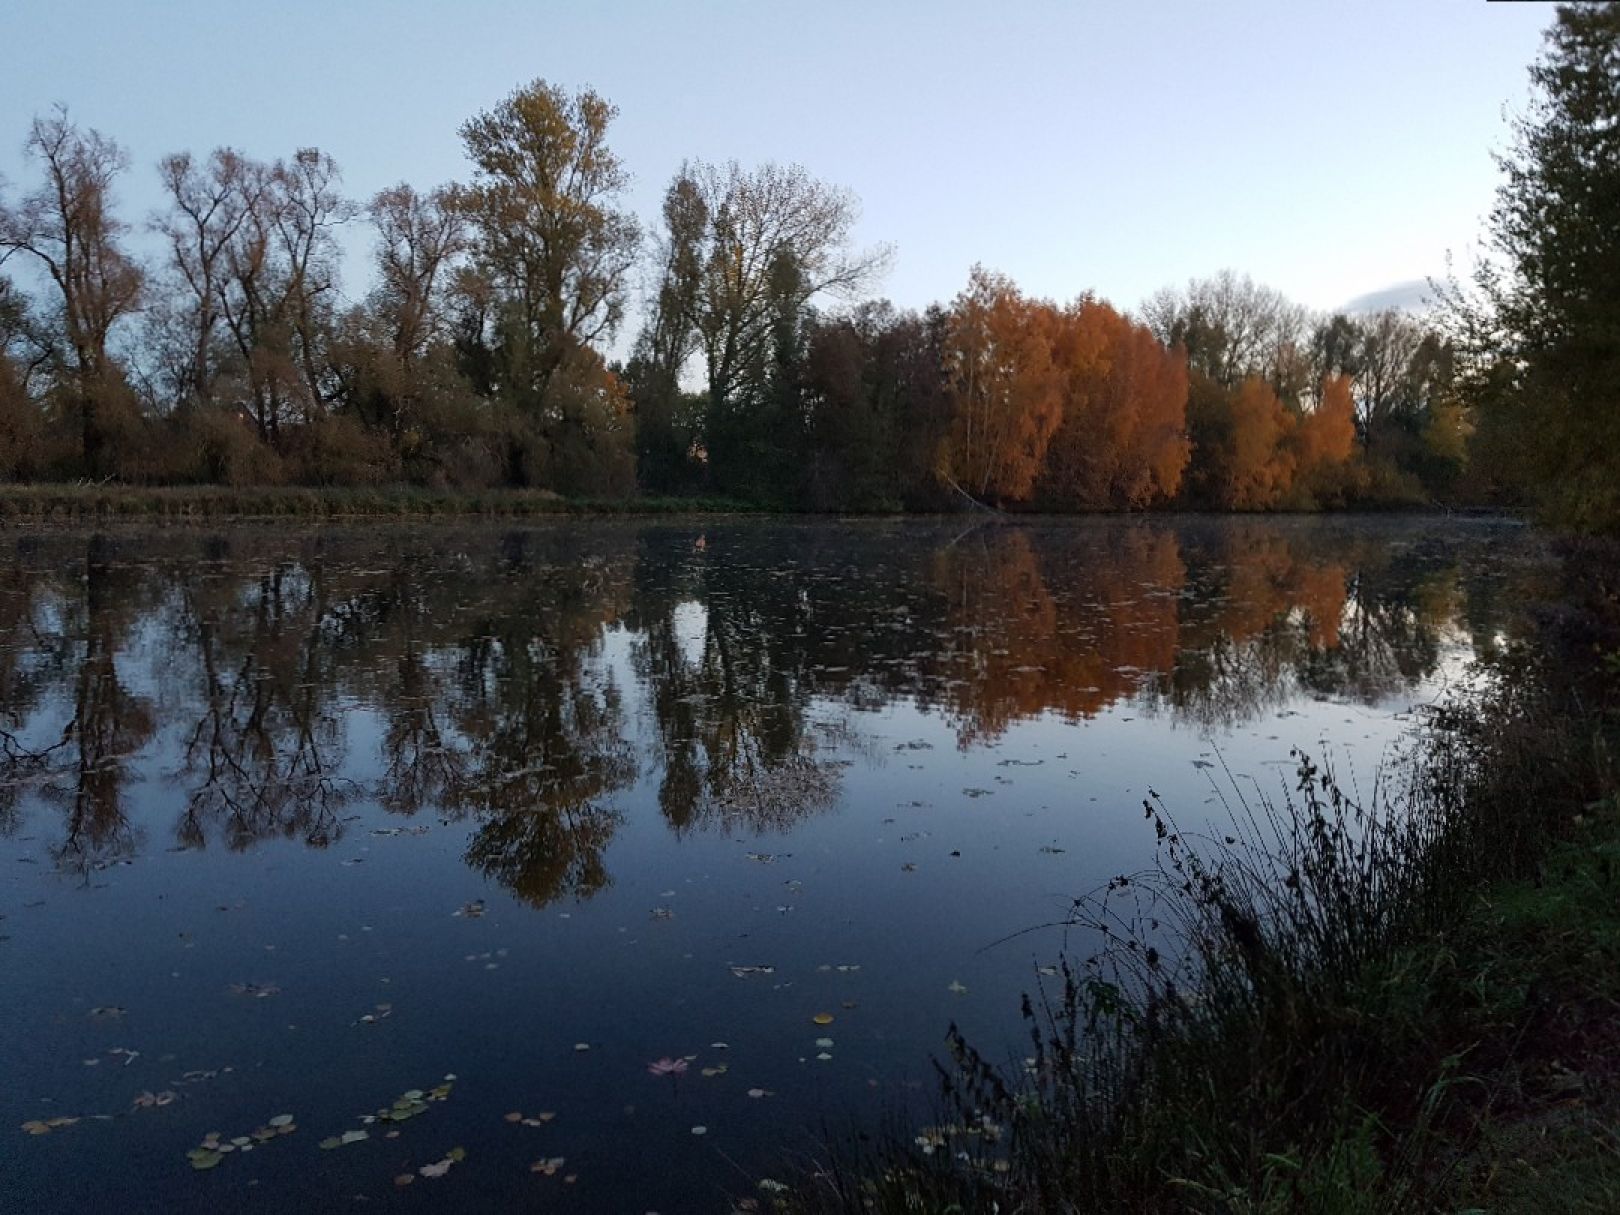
[(1005, 387), (553, 246), (1243, 457), (1123, 442), (1323, 444), (67, 227)]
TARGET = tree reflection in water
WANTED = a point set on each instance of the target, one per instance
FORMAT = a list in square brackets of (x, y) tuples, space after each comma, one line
[(523, 681)]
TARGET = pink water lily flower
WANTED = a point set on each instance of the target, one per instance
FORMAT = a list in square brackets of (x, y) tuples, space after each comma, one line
[(667, 1067)]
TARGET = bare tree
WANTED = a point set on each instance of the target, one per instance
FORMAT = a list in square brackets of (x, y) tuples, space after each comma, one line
[(419, 237), (67, 227), (278, 293), (759, 219), (208, 203)]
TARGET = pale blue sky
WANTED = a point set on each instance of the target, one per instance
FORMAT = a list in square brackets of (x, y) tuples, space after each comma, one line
[(1329, 149)]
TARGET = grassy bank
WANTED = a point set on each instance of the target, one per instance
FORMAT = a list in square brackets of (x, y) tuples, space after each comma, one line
[(75, 502), (70, 503), (1330, 1004)]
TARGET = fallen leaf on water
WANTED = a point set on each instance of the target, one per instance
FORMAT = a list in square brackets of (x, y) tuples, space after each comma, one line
[(824, 1043), (514, 1116), (956, 988), (823, 1018), (259, 991), (700, 1130), (404, 1179), (547, 1166)]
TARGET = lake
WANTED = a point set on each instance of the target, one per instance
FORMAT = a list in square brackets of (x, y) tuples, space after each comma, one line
[(673, 843)]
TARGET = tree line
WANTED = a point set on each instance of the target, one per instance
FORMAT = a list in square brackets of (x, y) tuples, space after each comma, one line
[(762, 371)]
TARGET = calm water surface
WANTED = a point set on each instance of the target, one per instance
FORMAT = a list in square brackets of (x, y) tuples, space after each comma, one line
[(294, 822)]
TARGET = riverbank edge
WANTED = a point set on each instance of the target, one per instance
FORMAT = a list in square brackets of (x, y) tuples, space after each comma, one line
[(68, 503), (1459, 1051)]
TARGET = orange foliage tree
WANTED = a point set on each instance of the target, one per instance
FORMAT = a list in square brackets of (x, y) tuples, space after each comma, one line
[(1123, 440), (1005, 390), (1324, 442), (1262, 467)]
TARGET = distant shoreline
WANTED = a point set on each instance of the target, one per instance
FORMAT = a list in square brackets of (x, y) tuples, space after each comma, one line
[(71, 503)]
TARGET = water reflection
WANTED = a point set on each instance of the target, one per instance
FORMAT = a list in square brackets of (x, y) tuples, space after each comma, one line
[(520, 680)]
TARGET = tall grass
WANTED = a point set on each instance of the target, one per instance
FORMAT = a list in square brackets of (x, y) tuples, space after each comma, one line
[(1277, 1014)]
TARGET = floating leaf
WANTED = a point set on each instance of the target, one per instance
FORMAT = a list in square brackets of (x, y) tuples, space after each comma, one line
[(823, 1018), (700, 1130), (824, 1043), (514, 1116), (204, 1160), (281, 1120), (404, 1179)]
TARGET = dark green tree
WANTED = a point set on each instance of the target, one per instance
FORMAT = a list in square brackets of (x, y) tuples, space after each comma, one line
[(1544, 325)]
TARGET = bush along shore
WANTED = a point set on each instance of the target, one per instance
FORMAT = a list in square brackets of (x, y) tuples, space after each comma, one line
[(1330, 1003)]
